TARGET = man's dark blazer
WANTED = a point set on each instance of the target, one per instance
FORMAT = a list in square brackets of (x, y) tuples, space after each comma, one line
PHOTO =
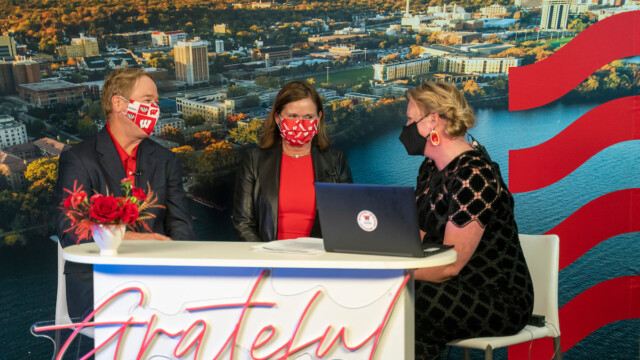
[(255, 202), (96, 165)]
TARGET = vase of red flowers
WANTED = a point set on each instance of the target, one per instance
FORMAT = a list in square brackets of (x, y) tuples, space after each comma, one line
[(106, 217), (108, 237)]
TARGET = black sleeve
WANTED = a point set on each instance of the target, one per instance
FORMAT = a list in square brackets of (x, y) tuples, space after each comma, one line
[(178, 220), (474, 196), (71, 172), (244, 217), (345, 171)]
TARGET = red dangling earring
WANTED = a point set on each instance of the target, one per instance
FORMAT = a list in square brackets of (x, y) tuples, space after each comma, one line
[(434, 137)]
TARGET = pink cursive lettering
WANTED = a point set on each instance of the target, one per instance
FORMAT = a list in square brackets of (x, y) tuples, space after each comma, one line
[(195, 335)]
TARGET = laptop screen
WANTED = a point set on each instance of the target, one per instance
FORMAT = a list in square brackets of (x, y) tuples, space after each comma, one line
[(369, 219)]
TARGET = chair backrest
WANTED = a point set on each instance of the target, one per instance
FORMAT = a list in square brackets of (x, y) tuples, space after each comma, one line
[(62, 314), (542, 253)]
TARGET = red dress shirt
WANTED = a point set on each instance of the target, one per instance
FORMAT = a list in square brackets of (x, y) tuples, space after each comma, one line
[(297, 198), (128, 161)]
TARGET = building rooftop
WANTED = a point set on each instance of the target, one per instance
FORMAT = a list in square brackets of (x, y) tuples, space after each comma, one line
[(8, 124), (269, 49), (154, 70), (6, 118), (51, 146), (20, 148), (360, 95), (204, 100), (50, 85), (14, 163), (98, 83), (308, 62), (441, 47), (191, 43), (120, 56), (42, 147), (329, 37), (82, 37), (95, 62), (168, 32), (167, 120), (400, 61)]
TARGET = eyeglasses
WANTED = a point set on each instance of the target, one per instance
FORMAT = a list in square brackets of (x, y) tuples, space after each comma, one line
[(424, 117)]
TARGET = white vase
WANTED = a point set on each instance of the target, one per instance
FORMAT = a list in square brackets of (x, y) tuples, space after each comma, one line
[(108, 238)]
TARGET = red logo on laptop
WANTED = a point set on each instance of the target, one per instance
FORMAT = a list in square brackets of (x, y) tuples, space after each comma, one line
[(367, 220)]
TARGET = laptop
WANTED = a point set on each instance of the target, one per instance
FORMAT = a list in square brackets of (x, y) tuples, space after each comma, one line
[(371, 219)]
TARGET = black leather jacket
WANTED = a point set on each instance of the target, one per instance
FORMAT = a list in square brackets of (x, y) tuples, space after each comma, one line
[(255, 203)]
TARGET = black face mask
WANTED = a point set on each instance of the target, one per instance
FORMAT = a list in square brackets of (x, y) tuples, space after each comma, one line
[(413, 142)]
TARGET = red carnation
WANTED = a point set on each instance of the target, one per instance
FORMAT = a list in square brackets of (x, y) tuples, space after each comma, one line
[(138, 194), (104, 209), (129, 213)]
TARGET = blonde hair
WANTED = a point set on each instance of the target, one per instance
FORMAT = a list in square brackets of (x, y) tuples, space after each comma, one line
[(446, 100), (119, 82), (293, 91)]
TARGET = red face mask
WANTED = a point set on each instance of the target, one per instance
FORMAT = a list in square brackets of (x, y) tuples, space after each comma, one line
[(298, 132), (143, 115)]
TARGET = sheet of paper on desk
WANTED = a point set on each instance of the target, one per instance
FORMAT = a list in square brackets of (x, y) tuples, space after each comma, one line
[(310, 246)]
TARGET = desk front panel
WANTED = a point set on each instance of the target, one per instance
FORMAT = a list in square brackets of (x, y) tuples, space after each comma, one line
[(192, 312)]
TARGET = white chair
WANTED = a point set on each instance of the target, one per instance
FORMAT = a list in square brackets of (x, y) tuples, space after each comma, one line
[(542, 255), (62, 313)]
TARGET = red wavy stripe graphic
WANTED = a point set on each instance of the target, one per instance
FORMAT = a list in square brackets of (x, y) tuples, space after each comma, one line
[(608, 124), (538, 84), (612, 300), (598, 220)]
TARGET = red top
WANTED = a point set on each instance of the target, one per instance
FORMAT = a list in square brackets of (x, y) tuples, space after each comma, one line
[(128, 162), (297, 199)]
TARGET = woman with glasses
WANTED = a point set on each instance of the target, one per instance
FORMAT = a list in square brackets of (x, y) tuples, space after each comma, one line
[(274, 194), (462, 201)]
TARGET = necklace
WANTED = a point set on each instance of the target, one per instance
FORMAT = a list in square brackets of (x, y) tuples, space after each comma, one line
[(297, 156)]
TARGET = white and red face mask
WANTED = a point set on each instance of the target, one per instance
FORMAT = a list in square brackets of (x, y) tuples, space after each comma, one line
[(298, 132), (143, 115)]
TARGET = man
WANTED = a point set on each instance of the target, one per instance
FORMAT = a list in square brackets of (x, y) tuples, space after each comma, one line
[(122, 150)]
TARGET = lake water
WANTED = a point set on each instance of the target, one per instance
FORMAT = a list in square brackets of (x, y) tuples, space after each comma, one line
[(27, 276)]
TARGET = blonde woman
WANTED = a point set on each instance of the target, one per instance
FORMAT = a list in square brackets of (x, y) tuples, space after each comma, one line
[(462, 201)]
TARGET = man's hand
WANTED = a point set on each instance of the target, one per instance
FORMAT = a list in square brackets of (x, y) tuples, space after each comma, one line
[(132, 235)]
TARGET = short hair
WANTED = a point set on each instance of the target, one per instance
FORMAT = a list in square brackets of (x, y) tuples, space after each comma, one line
[(119, 82), (293, 91), (446, 100)]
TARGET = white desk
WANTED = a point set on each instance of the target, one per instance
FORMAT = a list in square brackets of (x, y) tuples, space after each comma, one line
[(210, 295)]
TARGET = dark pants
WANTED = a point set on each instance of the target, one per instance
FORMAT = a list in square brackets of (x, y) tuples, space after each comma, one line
[(79, 289), (79, 285)]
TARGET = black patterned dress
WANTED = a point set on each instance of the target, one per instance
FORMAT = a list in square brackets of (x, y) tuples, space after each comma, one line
[(493, 294)]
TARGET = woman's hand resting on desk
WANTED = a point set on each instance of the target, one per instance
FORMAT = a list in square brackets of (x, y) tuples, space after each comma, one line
[(132, 235)]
